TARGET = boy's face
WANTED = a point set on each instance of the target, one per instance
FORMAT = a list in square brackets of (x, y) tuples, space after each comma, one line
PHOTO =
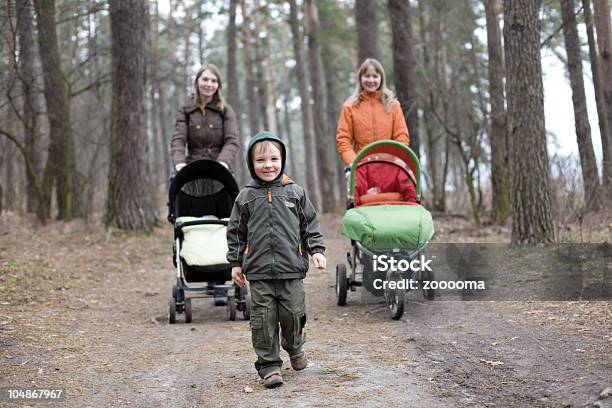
[(267, 163)]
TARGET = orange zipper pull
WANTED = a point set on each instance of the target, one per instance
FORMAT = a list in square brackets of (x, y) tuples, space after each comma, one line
[(269, 196)]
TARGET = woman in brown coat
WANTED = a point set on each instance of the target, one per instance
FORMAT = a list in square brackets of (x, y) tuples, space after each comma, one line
[(206, 127)]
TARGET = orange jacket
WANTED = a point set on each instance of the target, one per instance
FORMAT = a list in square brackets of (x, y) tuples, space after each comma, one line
[(367, 122)]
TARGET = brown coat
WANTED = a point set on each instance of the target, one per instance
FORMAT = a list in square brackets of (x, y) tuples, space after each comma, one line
[(213, 135), (367, 122)]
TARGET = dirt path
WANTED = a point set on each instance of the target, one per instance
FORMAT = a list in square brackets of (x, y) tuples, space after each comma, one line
[(85, 310)]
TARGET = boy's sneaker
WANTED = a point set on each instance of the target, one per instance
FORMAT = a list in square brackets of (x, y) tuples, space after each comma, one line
[(299, 361), (273, 380)]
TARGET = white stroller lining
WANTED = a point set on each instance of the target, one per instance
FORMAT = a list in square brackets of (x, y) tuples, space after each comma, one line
[(204, 245)]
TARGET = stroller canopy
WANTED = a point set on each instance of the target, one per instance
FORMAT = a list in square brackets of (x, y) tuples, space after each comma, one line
[(203, 187), (387, 164)]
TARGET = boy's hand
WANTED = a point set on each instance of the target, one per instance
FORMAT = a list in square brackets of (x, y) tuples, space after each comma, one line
[(319, 260), (238, 276)]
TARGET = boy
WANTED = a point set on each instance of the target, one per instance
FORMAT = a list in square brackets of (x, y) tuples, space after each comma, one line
[(272, 229)]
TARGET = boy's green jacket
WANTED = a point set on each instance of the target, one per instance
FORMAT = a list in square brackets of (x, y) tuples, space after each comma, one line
[(273, 227)]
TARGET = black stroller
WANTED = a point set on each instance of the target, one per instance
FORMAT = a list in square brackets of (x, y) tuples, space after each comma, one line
[(199, 205)]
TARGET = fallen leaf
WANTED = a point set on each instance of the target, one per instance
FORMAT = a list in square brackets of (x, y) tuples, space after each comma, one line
[(492, 363)]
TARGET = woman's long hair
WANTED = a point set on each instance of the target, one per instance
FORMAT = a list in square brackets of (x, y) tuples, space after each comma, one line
[(386, 95), (217, 98)]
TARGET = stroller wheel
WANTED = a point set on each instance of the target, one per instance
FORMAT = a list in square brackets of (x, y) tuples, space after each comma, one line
[(341, 284), (246, 312), (187, 310), (395, 298), (231, 309), (172, 311)]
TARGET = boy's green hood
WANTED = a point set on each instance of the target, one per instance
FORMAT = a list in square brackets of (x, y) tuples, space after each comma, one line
[(258, 138)]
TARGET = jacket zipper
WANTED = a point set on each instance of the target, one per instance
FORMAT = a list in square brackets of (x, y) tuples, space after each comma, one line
[(270, 228)]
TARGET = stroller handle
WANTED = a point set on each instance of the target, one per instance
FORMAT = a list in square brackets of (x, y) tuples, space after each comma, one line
[(181, 224)]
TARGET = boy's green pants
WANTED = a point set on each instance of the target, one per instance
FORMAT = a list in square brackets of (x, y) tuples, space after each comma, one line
[(272, 302)]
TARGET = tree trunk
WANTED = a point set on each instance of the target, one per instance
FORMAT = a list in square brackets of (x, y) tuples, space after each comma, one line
[(530, 192), (606, 141), (59, 169), (252, 95), (259, 67), (498, 136), (30, 105), (366, 23), (323, 139), (201, 42), (271, 94), (330, 72), (233, 89), (9, 162), (129, 203), (309, 147), (604, 41), (404, 67), (438, 140), (187, 29), (286, 113), (432, 158), (154, 63), (590, 177)]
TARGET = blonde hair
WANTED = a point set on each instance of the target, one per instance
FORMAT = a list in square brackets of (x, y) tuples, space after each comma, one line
[(217, 98), (263, 146), (387, 97)]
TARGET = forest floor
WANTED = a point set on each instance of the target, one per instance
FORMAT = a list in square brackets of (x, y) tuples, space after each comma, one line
[(84, 309)]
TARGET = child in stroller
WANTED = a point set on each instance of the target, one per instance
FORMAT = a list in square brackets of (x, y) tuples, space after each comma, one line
[(200, 201)]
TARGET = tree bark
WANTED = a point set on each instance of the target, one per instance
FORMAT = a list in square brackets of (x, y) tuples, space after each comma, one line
[(59, 169), (286, 91), (366, 22), (9, 164), (438, 140), (425, 36), (309, 147), (497, 137), (259, 67), (604, 42), (606, 141), (270, 90), (530, 192), (187, 30), (30, 106), (252, 95), (404, 67), (233, 88), (323, 138), (129, 202), (154, 63), (590, 177), (330, 72)]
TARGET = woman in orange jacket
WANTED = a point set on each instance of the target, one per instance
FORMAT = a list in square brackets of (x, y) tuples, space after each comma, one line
[(371, 113)]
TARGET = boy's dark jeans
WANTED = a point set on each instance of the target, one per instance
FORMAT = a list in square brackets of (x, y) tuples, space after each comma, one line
[(272, 302)]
